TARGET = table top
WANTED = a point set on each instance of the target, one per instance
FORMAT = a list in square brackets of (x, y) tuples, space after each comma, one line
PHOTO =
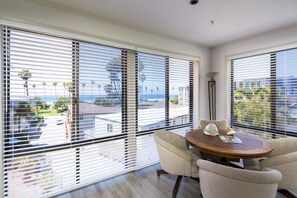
[(253, 146)]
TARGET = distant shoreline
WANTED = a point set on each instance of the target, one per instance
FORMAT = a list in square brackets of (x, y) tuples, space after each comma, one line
[(90, 98)]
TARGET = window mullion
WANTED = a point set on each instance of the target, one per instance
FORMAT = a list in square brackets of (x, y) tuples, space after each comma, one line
[(167, 97), (191, 92), (273, 90)]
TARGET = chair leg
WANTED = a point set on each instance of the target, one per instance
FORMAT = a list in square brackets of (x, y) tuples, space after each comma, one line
[(178, 179), (160, 172), (196, 179), (287, 193)]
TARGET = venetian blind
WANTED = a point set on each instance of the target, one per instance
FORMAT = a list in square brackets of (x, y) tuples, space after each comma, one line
[(165, 87), (76, 112), (264, 92), (65, 113)]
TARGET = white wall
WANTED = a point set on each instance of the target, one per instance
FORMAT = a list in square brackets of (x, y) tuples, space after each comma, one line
[(286, 37), (31, 15)]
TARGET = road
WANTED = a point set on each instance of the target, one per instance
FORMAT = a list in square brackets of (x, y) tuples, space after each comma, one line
[(51, 133)]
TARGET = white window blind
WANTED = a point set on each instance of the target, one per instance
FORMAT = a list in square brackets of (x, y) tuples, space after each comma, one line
[(75, 112), (180, 96), (264, 92), (164, 100)]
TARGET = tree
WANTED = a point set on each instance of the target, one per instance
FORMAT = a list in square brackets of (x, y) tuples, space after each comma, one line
[(55, 85), (23, 110), (114, 67), (109, 89), (83, 85), (99, 87), (41, 104), (25, 74), (145, 91), (62, 103), (44, 84), (34, 86), (142, 78), (112, 95), (92, 83), (68, 87), (252, 106)]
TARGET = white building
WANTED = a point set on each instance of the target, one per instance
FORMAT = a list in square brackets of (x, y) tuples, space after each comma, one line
[(111, 124)]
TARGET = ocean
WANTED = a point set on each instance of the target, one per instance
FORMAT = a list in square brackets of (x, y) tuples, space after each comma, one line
[(90, 98)]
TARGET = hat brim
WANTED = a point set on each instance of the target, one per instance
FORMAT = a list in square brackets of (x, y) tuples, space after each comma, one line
[(210, 133)]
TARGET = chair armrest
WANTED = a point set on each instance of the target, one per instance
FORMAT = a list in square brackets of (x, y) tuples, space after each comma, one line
[(283, 146), (166, 139), (279, 160), (261, 177), (182, 153)]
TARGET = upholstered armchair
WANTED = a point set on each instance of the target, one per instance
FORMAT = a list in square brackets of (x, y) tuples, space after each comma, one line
[(227, 182), (175, 157), (284, 159), (222, 125)]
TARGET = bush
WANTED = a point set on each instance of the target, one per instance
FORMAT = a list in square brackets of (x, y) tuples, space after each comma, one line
[(174, 100), (107, 102)]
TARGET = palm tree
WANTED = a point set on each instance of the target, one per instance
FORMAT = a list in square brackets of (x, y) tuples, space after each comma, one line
[(142, 78), (152, 91), (24, 109), (34, 85), (68, 86), (99, 87), (157, 89), (55, 85), (25, 74), (83, 85), (145, 91), (92, 83), (44, 84)]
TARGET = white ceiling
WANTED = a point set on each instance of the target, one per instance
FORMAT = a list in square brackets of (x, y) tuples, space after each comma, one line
[(233, 19)]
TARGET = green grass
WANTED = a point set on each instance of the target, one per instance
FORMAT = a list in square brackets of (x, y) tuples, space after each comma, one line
[(48, 112)]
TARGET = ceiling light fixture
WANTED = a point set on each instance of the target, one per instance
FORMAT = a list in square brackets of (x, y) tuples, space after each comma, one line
[(194, 2)]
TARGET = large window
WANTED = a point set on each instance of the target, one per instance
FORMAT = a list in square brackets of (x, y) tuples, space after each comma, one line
[(164, 98), (264, 92), (71, 108)]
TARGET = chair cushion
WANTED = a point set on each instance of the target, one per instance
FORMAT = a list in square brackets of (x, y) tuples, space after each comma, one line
[(221, 124)]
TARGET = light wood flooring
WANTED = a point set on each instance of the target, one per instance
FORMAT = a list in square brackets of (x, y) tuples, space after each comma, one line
[(141, 183)]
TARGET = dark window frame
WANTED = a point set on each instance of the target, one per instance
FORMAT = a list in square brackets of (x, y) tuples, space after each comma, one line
[(272, 129)]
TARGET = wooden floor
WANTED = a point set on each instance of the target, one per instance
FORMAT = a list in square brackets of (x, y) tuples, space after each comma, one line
[(141, 183)]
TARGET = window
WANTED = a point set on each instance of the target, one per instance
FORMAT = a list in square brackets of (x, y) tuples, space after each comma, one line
[(151, 91), (109, 128), (100, 89), (59, 94), (164, 95), (263, 92), (180, 79), (165, 87), (72, 107)]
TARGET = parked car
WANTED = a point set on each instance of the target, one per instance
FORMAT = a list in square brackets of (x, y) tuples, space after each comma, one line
[(59, 122)]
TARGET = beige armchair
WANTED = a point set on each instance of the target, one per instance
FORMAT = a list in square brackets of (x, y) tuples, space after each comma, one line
[(284, 159), (222, 125), (175, 156), (226, 182)]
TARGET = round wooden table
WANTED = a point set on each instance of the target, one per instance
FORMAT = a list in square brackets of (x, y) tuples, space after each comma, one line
[(252, 146)]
